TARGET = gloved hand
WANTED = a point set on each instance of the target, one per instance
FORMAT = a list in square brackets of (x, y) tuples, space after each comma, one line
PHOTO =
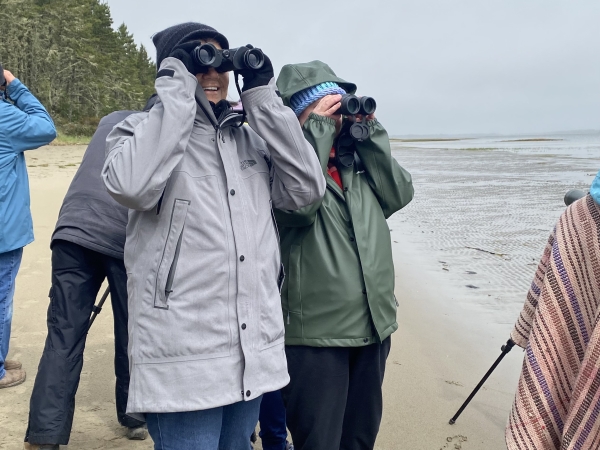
[(260, 77), (183, 52)]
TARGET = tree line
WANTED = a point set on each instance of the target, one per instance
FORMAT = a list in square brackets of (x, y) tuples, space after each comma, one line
[(67, 53)]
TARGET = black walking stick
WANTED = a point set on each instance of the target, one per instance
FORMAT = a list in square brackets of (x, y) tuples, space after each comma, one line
[(98, 308), (505, 349)]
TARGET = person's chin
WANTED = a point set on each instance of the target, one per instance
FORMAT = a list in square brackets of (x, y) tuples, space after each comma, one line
[(213, 98)]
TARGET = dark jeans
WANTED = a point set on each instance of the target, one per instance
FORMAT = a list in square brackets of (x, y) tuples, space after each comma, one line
[(334, 399), (273, 433), (223, 428), (77, 275)]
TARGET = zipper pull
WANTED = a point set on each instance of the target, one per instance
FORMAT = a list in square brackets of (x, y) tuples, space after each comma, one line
[(288, 318)]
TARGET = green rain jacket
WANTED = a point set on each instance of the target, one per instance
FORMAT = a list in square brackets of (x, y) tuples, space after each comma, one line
[(339, 288)]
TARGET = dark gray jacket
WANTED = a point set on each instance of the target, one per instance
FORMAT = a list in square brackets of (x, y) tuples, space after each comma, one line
[(89, 216)]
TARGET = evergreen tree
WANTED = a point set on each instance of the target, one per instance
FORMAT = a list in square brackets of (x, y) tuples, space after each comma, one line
[(71, 58)]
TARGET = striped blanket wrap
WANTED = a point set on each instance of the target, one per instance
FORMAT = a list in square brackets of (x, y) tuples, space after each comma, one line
[(557, 404)]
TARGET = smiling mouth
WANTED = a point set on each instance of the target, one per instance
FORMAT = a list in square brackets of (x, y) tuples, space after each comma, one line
[(211, 89)]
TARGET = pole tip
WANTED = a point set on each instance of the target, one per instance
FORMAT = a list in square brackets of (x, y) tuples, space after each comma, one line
[(452, 422)]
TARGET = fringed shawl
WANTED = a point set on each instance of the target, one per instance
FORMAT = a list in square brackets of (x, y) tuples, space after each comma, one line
[(557, 405)]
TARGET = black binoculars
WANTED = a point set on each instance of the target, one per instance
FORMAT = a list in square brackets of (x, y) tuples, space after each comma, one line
[(241, 58), (352, 105), (353, 130)]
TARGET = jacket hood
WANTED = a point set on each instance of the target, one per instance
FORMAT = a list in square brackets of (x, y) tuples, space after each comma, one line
[(296, 77)]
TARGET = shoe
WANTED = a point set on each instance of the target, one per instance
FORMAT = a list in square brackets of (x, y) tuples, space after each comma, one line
[(29, 446), (137, 433), (11, 364), (12, 378)]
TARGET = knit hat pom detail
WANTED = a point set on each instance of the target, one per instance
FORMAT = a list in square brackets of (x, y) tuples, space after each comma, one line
[(301, 100)]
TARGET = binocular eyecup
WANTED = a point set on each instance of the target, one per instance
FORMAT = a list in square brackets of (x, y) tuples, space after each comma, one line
[(352, 105), (240, 58), (573, 195)]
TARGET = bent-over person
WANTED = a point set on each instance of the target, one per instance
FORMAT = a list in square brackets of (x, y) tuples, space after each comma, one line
[(557, 403), (87, 248)]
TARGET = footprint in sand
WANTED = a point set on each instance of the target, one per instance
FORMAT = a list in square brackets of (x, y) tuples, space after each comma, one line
[(454, 442)]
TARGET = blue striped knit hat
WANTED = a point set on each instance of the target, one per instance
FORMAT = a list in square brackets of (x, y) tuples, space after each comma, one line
[(301, 100)]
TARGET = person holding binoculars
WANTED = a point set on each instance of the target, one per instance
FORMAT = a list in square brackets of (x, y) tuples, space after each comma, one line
[(24, 125), (202, 252), (338, 297)]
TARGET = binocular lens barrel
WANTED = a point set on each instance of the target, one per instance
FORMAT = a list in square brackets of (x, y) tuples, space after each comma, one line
[(368, 105), (350, 105), (254, 58), (205, 54)]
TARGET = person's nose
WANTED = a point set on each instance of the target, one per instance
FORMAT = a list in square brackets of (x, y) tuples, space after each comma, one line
[(212, 73)]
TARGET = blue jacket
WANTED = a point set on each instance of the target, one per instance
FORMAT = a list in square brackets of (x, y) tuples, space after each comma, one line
[(26, 125)]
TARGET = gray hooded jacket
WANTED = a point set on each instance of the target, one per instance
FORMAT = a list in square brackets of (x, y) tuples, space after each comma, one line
[(202, 251)]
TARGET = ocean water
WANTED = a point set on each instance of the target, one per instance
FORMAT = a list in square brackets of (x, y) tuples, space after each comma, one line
[(484, 208), (584, 145)]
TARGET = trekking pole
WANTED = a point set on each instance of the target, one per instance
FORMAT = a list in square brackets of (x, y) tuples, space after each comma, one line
[(505, 349), (98, 308)]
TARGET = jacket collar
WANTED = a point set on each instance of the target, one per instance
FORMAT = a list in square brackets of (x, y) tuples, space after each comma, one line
[(204, 111)]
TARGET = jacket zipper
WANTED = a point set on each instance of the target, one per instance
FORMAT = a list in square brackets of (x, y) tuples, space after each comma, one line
[(173, 268)]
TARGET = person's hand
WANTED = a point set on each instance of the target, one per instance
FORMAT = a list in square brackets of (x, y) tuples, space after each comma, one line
[(256, 78), (9, 77), (328, 106), (325, 107)]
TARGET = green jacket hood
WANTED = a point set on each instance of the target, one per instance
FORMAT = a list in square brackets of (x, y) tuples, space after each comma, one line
[(296, 77)]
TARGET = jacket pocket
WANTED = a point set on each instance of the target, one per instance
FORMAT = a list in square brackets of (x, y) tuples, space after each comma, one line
[(168, 262)]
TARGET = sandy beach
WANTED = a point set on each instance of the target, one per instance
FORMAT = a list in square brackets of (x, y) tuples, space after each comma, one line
[(465, 251)]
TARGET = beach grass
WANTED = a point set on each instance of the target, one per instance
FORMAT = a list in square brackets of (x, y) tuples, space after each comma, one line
[(66, 139), (534, 140), (425, 140)]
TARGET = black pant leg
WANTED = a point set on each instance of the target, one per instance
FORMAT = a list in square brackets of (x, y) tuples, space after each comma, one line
[(315, 399), (117, 281), (76, 279), (365, 397)]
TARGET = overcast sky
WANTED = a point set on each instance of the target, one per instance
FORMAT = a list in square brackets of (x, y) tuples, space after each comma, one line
[(434, 66)]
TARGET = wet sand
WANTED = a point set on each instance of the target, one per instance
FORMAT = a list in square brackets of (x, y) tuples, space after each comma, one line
[(95, 426), (501, 202), (465, 252)]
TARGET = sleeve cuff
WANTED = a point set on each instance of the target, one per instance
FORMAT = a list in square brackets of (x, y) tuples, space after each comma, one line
[(318, 118), (14, 87)]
